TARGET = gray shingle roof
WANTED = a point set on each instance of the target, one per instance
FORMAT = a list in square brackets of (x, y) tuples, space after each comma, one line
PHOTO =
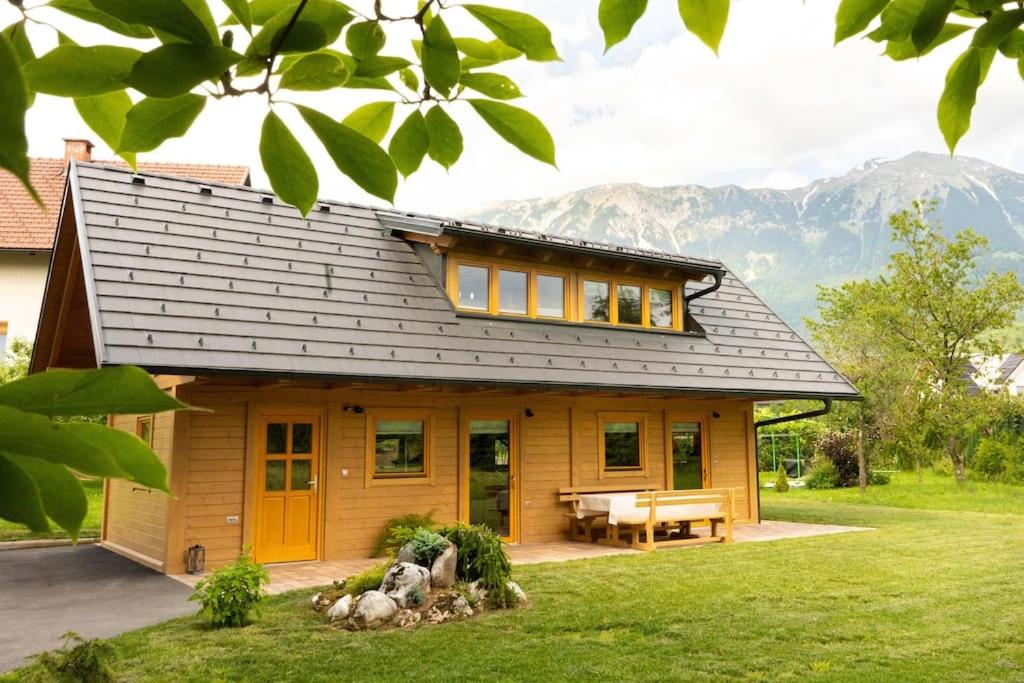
[(229, 280)]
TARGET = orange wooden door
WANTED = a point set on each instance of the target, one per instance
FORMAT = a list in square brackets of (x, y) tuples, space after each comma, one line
[(288, 490)]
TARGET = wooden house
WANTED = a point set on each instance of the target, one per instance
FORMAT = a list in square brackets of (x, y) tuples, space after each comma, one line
[(360, 363)]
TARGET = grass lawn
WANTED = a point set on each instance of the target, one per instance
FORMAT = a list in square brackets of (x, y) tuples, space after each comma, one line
[(929, 595), (930, 491), (9, 531)]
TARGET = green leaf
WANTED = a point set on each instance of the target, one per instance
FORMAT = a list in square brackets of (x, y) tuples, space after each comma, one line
[(1020, 67), (60, 492), (493, 85), (105, 115), (170, 16), (265, 10), (375, 67), (853, 16), (705, 19), (518, 127), (19, 39), (319, 25), (86, 11), (964, 78), (440, 58), (152, 121), (172, 70), (365, 39), (480, 54), (617, 18), (19, 498), (409, 79), (372, 120), (517, 30), (930, 22), (410, 143), (1013, 45), (76, 71), (361, 83), (242, 12), (998, 28), (129, 452), (318, 71), (291, 173), (897, 20), (899, 51), (355, 155), (445, 137), (124, 390), (13, 104)]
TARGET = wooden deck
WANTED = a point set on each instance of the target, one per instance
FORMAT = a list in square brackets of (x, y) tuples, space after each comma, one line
[(293, 575)]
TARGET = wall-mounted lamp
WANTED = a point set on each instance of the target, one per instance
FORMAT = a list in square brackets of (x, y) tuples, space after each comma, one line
[(715, 415), (529, 412), (358, 410)]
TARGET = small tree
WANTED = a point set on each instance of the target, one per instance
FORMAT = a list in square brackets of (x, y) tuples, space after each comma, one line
[(781, 480)]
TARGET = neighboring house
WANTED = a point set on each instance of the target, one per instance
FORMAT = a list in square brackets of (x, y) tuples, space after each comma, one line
[(26, 230), (360, 364), (1000, 373)]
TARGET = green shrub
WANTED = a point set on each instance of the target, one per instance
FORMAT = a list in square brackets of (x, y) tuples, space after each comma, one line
[(781, 480), (416, 596), (231, 595), (482, 557), (821, 475), (86, 660), (990, 458), (943, 467), (878, 478), (1014, 470), (368, 580), (840, 448), (399, 530), (426, 545)]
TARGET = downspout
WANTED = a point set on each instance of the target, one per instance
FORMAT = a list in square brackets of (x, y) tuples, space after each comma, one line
[(719, 276), (825, 409)]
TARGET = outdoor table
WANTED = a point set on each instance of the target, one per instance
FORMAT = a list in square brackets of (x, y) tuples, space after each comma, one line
[(622, 508)]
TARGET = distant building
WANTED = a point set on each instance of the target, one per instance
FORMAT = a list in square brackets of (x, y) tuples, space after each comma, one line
[(27, 229), (1000, 373)]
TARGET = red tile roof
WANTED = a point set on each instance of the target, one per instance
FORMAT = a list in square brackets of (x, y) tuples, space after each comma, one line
[(26, 226)]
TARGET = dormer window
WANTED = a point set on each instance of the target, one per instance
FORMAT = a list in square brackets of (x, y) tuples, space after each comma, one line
[(497, 286)]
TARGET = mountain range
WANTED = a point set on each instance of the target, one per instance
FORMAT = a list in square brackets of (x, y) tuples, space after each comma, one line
[(785, 242)]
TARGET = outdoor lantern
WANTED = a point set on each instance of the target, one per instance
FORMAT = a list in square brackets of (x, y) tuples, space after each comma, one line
[(196, 558)]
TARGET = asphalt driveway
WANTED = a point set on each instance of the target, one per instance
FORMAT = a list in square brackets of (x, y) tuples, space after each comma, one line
[(45, 592)]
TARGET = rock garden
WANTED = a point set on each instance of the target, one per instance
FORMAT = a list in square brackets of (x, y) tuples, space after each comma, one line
[(432, 577)]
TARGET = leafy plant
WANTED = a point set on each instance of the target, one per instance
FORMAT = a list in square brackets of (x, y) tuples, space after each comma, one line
[(399, 530), (876, 478), (416, 596), (840, 448), (990, 458), (367, 580), (482, 557), (42, 446), (781, 480), (822, 475), (78, 660), (427, 545), (231, 595)]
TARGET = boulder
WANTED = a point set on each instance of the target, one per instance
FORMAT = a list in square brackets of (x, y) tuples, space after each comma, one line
[(447, 607), (406, 554), (478, 592), (371, 610), (340, 609), (403, 578), (442, 571), (406, 618), (519, 592)]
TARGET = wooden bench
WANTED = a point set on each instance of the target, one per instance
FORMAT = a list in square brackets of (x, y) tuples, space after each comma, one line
[(671, 512), (581, 528)]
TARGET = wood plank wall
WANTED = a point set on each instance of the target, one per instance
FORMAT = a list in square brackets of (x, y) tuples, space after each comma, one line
[(559, 447)]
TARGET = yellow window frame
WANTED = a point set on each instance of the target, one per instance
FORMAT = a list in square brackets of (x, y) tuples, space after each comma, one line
[(640, 419), (375, 415), (139, 423)]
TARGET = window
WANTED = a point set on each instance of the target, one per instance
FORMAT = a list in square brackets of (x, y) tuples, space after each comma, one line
[(630, 304), (398, 445), (660, 307), (144, 429), (596, 301), (622, 438), (550, 296), (512, 291), (474, 286), (3, 340)]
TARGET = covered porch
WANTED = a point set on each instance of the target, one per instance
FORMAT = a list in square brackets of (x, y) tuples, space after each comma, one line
[(287, 576)]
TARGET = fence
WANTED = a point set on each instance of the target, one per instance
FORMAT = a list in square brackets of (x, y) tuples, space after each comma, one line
[(787, 453)]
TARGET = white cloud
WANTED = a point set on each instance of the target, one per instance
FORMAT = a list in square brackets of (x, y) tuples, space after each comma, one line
[(779, 107)]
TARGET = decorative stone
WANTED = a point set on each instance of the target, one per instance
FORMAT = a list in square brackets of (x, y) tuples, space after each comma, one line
[(442, 571), (518, 591), (316, 601), (406, 554), (477, 590), (340, 609), (373, 609), (402, 578), (406, 618), (447, 607)]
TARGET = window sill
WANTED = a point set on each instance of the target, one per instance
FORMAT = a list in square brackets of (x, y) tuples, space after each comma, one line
[(459, 313), (412, 480)]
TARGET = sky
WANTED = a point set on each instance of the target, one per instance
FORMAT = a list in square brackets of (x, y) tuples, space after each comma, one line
[(779, 107)]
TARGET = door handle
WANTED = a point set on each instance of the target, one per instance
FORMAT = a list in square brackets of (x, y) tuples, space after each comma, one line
[(313, 484)]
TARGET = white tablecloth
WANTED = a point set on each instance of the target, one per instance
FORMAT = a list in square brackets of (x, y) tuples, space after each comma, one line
[(622, 508)]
